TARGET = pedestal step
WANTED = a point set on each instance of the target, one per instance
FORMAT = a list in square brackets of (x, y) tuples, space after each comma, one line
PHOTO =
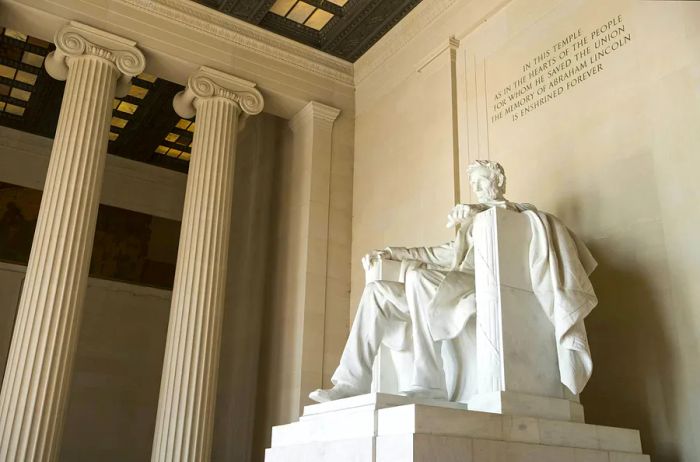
[(513, 403), (383, 428), (433, 448)]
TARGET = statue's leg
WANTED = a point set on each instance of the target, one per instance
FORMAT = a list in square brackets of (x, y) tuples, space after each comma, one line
[(382, 304), (428, 373)]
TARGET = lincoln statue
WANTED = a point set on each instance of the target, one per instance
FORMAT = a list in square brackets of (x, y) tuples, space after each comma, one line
[(435, 300)]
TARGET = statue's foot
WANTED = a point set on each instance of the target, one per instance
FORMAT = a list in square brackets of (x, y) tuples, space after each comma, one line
[(426, 393), (339, 391)]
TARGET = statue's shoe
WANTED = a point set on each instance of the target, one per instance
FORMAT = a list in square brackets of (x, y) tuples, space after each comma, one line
[(339, 391), (426, 393)]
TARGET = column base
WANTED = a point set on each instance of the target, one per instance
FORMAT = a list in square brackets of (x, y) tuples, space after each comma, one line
[(521, 404), (387, 428)]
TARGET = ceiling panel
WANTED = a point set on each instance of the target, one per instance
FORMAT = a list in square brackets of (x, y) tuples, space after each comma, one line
[(343, 28)]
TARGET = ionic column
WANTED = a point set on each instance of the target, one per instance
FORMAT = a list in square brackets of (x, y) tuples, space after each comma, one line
[(37, 378), (188, 386)]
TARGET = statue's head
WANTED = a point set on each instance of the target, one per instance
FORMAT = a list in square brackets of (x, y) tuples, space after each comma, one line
[(487, 179)]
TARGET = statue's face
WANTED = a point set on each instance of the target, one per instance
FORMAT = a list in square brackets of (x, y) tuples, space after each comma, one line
[(485, 185)]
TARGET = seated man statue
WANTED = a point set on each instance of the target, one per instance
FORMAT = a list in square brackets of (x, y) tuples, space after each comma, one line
[(437, 298)]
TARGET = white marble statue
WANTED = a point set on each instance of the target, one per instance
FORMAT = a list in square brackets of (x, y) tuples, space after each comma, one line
[(436, 299)]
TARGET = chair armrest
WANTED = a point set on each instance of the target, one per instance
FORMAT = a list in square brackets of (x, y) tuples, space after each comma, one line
[(383, 270)]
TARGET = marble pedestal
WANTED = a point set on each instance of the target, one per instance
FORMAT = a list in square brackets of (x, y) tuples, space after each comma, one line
[(381, 428)]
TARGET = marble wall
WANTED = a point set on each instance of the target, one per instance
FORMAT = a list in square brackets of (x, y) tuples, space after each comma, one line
[(129, 246), (613, 154)]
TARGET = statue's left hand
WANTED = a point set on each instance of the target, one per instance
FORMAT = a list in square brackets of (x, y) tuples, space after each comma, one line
[(373, 256), (460, 214)]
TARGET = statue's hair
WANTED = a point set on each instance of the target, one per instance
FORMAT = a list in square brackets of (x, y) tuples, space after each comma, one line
[(495, 168)]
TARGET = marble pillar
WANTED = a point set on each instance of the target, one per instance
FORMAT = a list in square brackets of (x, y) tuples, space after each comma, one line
[(96, 65), (188, 386)]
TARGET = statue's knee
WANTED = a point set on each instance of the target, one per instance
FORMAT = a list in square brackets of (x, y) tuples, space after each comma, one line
[(414, 275), (372, 290)]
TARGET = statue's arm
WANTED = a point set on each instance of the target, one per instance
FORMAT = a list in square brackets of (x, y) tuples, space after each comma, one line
[(441, 256)]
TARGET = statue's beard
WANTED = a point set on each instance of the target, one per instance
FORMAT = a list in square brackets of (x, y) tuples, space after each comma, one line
[(491, 194)]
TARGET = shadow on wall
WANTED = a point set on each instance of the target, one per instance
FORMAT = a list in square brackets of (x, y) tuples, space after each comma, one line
[(634, 362), (246, 295), (632, 383)]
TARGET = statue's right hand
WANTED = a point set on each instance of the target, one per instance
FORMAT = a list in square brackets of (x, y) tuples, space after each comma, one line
[(374, 256)]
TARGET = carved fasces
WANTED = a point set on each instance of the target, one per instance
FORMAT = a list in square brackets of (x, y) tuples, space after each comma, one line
[(488, 323), (210, 83), (76, 39)]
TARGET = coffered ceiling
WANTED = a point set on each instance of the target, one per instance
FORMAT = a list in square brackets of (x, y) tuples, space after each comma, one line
[(143, 127), (343, 28)]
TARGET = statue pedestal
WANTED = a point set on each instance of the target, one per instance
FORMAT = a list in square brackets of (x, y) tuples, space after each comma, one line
[(388, 428), (522, 404)]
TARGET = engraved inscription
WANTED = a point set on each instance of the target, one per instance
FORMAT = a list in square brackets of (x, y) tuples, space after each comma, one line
[(568, 63)]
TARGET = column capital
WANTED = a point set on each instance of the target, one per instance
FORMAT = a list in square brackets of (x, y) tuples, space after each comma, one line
[(210, 83), (77, 39)]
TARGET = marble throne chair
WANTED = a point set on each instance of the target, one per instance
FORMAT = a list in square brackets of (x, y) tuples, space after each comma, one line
[(505, 360)]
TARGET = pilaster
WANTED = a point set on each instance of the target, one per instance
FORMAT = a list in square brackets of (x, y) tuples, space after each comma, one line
[(313, 128)]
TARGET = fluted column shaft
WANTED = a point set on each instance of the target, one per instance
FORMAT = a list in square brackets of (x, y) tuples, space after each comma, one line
[(38, 372), (188, 386)]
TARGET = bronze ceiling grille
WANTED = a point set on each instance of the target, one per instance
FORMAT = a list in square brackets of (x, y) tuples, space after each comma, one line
[(142, 121), (178, 142), (29, 98), (20, 66), (343, 28)]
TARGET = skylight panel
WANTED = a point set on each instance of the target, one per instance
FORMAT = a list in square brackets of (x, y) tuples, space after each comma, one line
[(304, 13), (26, 77), (319, 19), (138, 92), (178, 142), (22, 95), (127, 107), (32, 59), (119, 122), (282, 7), (301, 12), (22, 58), (14, 109), (15, 35), (124, 109), (7, 71)]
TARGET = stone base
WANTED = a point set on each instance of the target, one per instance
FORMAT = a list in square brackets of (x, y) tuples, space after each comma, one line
[(389, 428), (521, 404)]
